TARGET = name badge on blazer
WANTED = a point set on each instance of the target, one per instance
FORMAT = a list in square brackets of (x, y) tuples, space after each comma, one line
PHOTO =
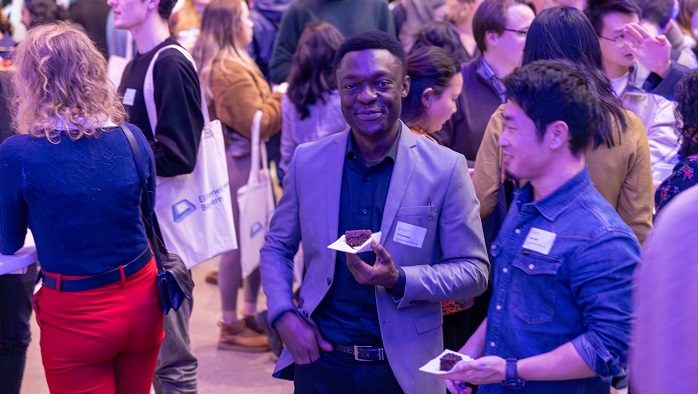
[(409, 235)]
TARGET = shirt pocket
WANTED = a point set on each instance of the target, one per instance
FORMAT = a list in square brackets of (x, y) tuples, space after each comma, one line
[(534, 286)]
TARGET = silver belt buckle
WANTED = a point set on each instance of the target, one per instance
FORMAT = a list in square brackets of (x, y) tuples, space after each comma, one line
[(381, 356)]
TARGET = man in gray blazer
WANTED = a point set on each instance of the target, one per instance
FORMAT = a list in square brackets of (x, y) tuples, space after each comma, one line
[(366, 322)]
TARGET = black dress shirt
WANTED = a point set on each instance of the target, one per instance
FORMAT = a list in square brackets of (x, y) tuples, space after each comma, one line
[(348, 315)]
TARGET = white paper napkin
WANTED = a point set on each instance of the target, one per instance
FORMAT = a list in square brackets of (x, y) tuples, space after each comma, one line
[(433, 365), (341, 244)]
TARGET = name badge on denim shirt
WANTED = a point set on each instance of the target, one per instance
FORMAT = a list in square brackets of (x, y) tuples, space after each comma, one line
[(409, 235), (540, 241)]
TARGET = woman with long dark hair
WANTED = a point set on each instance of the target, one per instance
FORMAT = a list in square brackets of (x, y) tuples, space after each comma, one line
[(311, 108), (618, 161), (435, 84)]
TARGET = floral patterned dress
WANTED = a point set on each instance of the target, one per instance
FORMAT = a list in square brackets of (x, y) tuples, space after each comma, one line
[(684, 175)]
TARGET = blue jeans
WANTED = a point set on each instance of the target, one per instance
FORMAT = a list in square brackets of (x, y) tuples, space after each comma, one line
[(15, 310)]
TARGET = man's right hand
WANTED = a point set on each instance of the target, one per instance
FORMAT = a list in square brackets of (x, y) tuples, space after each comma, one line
[(653, 52), (473, 348), (301, 338)]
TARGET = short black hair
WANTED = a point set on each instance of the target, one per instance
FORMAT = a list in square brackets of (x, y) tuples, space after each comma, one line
[(597, 9), (656, 11), (372, 40), (165, 8), (555, 90)]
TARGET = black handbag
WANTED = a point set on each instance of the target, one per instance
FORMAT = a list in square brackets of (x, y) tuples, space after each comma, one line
[(173, 278)]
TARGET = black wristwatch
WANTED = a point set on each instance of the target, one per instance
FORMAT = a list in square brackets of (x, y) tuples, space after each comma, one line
[(511, 377)]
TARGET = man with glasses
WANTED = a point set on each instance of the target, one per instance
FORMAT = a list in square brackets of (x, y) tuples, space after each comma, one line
[(629, 46), (499, 28), (623, 43)]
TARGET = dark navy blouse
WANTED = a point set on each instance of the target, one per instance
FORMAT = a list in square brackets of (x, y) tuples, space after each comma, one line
[(80, 198)]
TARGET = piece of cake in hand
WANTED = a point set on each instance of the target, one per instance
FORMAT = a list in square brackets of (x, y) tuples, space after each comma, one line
[(356, 238), (448, 361)]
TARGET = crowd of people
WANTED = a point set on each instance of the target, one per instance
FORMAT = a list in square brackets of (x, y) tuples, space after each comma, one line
[(523, 166)]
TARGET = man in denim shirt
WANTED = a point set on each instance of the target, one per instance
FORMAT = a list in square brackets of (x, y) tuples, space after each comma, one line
[(559, 319)]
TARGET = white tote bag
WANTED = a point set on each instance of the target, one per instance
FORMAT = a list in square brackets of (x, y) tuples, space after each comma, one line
[(256, 203), (195, 210)]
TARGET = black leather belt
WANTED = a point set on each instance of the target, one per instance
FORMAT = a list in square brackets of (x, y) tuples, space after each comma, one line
[(363, 353), (99, 280)]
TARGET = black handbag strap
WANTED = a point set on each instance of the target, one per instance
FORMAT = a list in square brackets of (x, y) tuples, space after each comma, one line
[(145, 197)]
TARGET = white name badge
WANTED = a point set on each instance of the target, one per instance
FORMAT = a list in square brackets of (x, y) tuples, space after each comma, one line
[(129, 97), (539, 240), (409, 235)]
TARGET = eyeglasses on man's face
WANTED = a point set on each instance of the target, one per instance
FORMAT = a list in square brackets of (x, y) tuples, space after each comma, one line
[(522, 33), (618, 40)]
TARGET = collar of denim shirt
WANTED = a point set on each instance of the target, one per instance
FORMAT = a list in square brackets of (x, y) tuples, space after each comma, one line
[(552, 205)]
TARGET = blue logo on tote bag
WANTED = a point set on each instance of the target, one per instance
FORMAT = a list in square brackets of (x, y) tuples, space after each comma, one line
[(182, 209)]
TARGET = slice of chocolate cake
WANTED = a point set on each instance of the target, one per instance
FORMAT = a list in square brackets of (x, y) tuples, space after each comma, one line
[(356, 238), (448, 361)]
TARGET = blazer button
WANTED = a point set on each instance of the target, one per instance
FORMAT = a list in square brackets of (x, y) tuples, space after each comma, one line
[(305, 314), (329, 281)]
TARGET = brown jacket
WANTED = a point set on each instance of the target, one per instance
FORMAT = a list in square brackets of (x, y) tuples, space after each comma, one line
[(238, 92), (621, 174)]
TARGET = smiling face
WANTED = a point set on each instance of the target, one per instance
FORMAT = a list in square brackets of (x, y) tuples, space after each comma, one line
[(371, 86), (616, 60), (440, 108), (524, 154)]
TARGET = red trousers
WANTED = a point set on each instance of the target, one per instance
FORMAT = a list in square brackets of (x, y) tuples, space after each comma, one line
[(104, 340)]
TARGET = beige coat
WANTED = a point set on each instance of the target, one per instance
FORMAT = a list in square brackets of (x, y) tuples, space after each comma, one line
[(238, 92), (621, 174)]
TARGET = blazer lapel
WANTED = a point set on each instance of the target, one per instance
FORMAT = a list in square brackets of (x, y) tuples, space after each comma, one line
[(405, 163)]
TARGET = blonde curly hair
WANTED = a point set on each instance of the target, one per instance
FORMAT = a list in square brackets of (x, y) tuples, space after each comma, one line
[(61, 81)]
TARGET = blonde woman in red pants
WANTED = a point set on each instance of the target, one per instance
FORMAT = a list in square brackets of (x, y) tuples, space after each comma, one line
[(70, 175)]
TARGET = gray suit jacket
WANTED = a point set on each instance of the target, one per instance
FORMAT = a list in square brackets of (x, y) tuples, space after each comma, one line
[(430, 188)]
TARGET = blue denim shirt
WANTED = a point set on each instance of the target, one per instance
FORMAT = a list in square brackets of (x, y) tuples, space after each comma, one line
[(579, 292)]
